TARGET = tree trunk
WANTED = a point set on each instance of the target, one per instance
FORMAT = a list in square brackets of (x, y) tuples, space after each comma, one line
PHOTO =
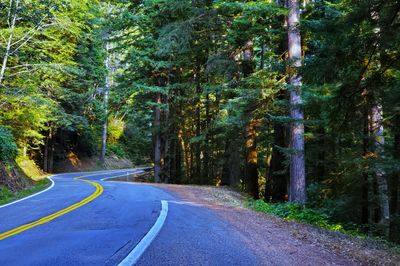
[(251, 163), (46, 152), (376, 129), (297, 164), (157, 139), (10, 38), (394, 228), (51, 155), (231, 170), (207, 153), (166, 165), (106, 95), (197, 145), (251, 168), (276, 183), (365, 213)]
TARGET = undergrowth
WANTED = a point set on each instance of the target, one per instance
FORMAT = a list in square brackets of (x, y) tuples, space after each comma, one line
[(296, 212)]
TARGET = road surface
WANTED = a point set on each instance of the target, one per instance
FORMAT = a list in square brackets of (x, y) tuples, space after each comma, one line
[(84, 220)]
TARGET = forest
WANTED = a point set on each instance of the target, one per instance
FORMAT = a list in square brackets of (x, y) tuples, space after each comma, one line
[(286, 100)]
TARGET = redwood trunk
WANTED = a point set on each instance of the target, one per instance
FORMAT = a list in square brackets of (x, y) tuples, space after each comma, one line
[(297, 165), (251, 171)]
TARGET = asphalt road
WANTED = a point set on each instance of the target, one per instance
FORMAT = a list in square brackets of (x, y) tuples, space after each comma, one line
[(96, 222)]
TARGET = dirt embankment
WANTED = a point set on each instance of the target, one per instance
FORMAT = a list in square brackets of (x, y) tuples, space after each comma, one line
[(73, 163), (280, 242), (12, 177)]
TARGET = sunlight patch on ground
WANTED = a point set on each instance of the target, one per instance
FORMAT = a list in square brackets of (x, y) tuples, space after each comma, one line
[(29, 168)]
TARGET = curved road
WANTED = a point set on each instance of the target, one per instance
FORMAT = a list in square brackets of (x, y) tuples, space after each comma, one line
[(83, 220)]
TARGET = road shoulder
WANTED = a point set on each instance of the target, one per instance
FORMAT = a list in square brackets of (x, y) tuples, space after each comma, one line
[(273, 238)]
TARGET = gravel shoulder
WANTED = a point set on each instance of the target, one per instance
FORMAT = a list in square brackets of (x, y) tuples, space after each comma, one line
[(280, 242)]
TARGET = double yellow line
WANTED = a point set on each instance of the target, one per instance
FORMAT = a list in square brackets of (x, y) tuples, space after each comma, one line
[(46, 219)]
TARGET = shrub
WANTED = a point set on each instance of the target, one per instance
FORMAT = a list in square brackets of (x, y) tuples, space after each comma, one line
[(8, 148), (117, 149), (296, 212)]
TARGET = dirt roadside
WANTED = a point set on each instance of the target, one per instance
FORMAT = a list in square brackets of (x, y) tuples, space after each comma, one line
[(280, 242)]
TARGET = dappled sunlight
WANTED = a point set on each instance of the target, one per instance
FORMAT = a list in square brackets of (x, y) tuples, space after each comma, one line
[(29, 168), (73, 158)]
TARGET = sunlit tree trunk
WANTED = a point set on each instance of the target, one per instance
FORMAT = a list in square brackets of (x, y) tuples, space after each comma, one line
[(157, 139), (106, 91), (251, 167), (11, 19), (106, 95), (297, 164), (377, 130)]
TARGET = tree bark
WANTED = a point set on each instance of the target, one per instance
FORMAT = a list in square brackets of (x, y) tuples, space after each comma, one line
[(10, 38), (51, 155), (46, 152), (251, 168), (297, 164), (276, 183), (197, 146), (365, 213), (377, 130), (207, 153), (251, 163), (106, 93), (157, 139), (166, 156), (394, 228)]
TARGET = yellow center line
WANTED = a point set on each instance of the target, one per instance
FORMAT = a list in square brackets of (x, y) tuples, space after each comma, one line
[(48, 218)]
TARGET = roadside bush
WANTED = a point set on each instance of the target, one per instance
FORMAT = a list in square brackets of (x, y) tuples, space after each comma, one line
[(296, 212), (5, 194), (117, 149), (8, 148)]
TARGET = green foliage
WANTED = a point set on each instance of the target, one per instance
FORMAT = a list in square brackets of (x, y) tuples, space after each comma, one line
[(116, 127), (296, 212), (117, 149), (216, 66), (5, 195), (8, 148)]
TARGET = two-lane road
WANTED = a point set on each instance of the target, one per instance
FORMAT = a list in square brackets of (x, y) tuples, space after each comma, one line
[(83, 220)]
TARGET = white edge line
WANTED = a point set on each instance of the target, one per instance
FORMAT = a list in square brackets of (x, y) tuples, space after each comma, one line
[(31, 196), (141, 247)]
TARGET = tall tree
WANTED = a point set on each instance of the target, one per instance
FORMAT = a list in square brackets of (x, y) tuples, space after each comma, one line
[(106, 91), (297, 163)]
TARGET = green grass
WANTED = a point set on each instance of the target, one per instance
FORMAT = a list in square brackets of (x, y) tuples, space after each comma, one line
[(7, 196)]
